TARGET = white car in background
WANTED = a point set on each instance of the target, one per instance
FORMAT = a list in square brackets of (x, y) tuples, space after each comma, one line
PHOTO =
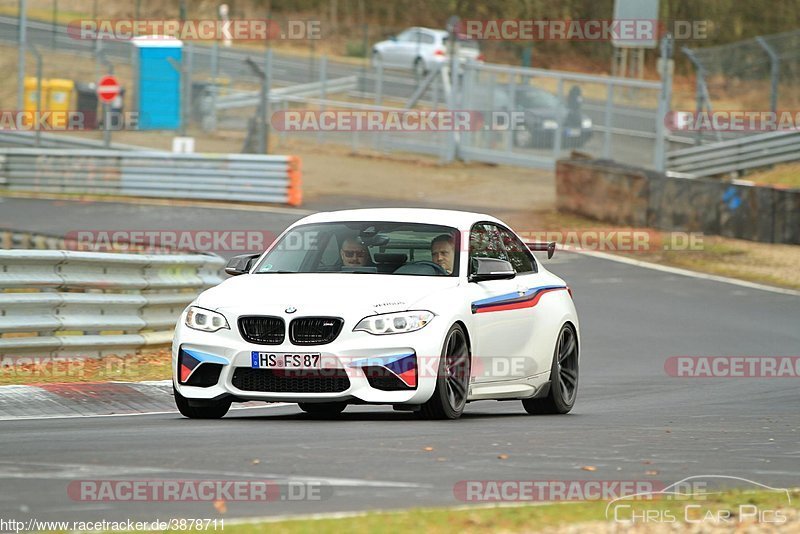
[(422, 49), (433, 315)]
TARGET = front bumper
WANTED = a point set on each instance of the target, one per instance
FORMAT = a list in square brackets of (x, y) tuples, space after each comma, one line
[(349, 354)]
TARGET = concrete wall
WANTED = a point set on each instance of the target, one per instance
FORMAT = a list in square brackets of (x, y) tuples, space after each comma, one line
[(625, 195)]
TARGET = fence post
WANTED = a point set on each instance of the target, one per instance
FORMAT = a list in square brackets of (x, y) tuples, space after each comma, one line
[(609, 121), (559, 129), (378, 138), (664, 100), (774, 70), (510, 126), (323, 75), (23, 26), (38, 94), (265, 90)]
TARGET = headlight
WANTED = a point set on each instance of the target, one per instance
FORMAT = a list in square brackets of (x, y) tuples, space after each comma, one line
[(394, 323), (549, 124), (586, 123), (205, 320)]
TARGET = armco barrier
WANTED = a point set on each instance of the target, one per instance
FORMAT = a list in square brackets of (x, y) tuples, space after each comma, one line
[(56, 302), (625, 195), (236, 177)]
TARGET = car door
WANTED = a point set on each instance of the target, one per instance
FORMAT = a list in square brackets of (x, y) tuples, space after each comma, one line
[(395, 52), (423, 48), (533, 326), (498, 317)]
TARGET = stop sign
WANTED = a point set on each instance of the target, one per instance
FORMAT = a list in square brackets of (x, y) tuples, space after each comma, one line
[(107, 89)]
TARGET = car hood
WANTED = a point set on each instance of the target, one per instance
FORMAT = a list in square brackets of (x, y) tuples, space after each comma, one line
[(328, 293)]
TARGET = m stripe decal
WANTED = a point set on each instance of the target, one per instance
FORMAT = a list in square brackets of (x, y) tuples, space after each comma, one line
[(513, 301)]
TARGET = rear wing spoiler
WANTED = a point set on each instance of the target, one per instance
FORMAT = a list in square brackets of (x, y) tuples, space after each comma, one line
[(541, 246)]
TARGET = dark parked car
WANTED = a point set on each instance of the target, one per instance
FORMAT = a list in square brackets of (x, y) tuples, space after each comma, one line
[(543, 113)]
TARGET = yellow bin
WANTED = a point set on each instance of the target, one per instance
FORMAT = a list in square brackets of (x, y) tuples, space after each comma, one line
[(29, 103), (59, 99)]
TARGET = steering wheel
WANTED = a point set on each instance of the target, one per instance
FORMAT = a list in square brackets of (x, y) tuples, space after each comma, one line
[(436, 267)]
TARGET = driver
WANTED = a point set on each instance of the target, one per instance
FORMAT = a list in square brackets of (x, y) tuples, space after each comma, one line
[(354, 253), (443, 252)]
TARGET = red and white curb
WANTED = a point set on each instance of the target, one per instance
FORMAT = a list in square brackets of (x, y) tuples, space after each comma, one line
[(92, 399)]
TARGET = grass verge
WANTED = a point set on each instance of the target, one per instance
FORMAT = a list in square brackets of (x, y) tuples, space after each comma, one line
[(151, 365), (787, 175), (733, 510), (764, 263)]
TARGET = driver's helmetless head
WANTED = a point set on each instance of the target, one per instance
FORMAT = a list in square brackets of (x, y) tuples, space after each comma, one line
[(443, 252), (354, 254)]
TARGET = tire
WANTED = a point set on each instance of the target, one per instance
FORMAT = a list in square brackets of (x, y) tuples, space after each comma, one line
[(419, 69), (208, 410), (323, 408), (452, 383), (563, 377)]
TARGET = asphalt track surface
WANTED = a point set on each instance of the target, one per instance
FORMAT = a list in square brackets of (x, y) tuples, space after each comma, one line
[(632, 421)]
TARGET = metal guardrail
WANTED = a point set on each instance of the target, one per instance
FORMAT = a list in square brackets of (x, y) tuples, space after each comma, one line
[(58, 140), (236, 177), (251, 98), (89, 303), (736, 155)]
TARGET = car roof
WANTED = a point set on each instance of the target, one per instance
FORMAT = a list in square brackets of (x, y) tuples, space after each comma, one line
[(431, 30), (454, 218)]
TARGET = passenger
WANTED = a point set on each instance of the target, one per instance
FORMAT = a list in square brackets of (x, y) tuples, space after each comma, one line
[(354, 253)]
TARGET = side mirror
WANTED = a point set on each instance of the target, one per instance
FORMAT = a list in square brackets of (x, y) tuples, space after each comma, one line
[(241, 264), (484, 269)]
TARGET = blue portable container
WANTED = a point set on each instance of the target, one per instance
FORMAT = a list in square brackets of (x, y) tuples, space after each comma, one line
[(158, 82)]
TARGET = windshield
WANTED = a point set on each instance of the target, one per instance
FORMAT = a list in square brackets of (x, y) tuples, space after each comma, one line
[(372, 247)]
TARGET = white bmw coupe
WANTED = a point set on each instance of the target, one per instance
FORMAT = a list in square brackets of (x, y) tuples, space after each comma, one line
[(424, 310)]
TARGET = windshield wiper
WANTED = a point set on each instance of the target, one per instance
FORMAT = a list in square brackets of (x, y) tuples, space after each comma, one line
[(277, 272)]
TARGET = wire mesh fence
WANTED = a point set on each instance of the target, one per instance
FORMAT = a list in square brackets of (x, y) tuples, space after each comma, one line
[(755, 74)]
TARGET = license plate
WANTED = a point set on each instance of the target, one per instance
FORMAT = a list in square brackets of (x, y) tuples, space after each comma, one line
[(573, 132), (285, 360)]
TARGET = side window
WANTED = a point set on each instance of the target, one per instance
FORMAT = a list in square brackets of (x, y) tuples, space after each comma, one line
[(407, 36), (485, 242), (518, 254), (426, 39)]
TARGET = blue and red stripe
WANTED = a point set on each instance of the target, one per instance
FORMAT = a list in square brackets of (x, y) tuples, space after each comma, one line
[(513, 301), (403, 366)]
